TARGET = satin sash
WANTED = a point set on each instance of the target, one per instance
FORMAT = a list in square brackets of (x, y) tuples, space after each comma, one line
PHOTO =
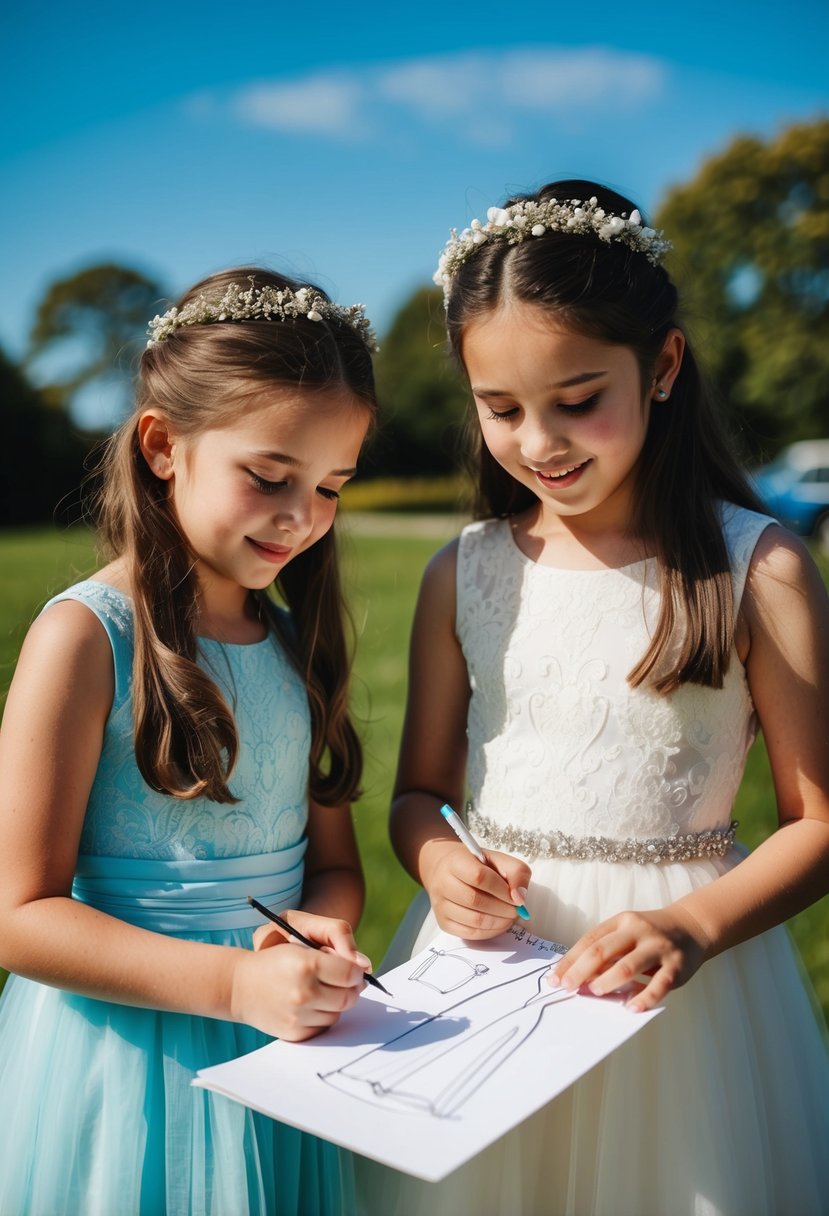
[(190, 894)]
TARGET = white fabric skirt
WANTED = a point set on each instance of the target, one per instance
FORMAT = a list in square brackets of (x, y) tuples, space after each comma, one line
[(720, 1107)]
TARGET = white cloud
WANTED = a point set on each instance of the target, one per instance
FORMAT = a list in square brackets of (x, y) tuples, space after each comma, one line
[(321, 104), (546, 80), (439, 87), (570, 79), (475, 91)]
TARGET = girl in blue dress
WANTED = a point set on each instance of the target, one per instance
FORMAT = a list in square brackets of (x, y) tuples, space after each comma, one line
[(174, 741)]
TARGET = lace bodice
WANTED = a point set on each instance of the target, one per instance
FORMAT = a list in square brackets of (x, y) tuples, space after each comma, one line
[(125, 818), (558, 740)]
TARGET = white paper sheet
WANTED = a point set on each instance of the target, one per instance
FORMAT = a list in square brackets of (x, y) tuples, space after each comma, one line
[(473, 1041)]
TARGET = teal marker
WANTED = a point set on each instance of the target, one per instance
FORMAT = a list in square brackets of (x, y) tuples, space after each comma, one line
[(465, 837)]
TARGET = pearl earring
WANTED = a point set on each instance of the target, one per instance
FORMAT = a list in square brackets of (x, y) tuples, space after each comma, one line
[(662, 394)]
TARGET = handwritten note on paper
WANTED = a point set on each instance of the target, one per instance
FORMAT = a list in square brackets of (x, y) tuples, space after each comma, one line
[(416, 1081)]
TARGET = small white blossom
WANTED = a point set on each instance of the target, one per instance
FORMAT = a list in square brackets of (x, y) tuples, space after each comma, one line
[(265, 303), (499, 215), (523, 220)]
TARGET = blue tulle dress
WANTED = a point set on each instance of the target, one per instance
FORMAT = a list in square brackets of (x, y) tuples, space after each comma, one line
[(100, 1116)]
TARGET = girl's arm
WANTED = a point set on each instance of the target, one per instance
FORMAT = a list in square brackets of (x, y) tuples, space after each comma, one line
[(50, 745), (469, 899), (786, 611), (334, 884)]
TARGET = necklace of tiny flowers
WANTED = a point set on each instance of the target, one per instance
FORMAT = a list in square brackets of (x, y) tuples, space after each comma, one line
[(528, 218), (260, 304)]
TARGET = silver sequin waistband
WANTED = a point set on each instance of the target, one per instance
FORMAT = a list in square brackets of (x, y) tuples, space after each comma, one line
[(691, 847)]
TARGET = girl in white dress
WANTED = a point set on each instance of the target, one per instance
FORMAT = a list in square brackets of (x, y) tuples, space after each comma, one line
[(590, 663)]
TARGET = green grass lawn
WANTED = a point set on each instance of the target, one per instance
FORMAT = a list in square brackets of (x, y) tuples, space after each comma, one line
[(384, 574)]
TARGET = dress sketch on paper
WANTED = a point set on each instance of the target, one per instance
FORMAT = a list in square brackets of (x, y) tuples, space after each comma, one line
[(434, 1068), (446, 970)]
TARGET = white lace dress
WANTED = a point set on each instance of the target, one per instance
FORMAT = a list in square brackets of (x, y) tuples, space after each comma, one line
[(622, 799)]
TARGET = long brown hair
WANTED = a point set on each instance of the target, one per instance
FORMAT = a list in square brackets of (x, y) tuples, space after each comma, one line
[(608, 291), (199, 377)]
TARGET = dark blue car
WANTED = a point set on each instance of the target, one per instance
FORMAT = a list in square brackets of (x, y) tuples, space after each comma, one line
[(795, 488)]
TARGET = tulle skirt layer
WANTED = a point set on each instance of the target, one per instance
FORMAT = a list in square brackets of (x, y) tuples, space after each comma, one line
[(720, 1107), (101, 1119)]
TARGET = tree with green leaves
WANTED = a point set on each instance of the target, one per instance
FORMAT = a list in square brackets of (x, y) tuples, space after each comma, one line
[(90, 328), (751, 251), (41, 457), (422, 395)]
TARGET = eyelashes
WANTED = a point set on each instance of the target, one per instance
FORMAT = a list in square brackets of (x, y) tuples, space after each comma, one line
[(271, 487), (263, 486), (581, 407), (573, 409)]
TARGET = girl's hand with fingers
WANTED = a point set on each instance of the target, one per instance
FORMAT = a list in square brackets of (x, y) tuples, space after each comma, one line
[(470, 899), (292, 992), (667, 945), (329, 932)]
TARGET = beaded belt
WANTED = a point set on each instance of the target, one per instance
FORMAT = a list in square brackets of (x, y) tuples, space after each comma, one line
[(693, 846)]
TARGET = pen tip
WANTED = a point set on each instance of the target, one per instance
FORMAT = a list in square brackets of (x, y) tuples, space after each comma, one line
[(249, 898)]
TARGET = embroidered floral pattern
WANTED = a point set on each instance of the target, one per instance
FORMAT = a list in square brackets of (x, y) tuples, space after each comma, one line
[(559, 741), (125, 818)]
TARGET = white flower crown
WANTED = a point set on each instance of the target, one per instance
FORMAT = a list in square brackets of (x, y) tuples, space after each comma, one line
[(261, 304), (525, 219)]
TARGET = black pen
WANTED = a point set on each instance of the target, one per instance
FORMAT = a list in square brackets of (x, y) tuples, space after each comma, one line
[(306, 941)]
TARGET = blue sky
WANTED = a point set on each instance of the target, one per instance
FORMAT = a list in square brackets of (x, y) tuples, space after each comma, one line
[(342, 143)]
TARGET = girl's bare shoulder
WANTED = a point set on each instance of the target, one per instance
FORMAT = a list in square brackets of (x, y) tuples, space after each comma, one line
[(782, 569)]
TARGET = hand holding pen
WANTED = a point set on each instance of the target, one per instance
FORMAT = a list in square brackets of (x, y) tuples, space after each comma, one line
[(291, 993), (475, 894), (465, 837), (293, 932)]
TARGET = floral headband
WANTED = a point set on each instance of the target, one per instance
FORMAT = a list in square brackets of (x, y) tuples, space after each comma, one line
[(261, 304), (528, 218)]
